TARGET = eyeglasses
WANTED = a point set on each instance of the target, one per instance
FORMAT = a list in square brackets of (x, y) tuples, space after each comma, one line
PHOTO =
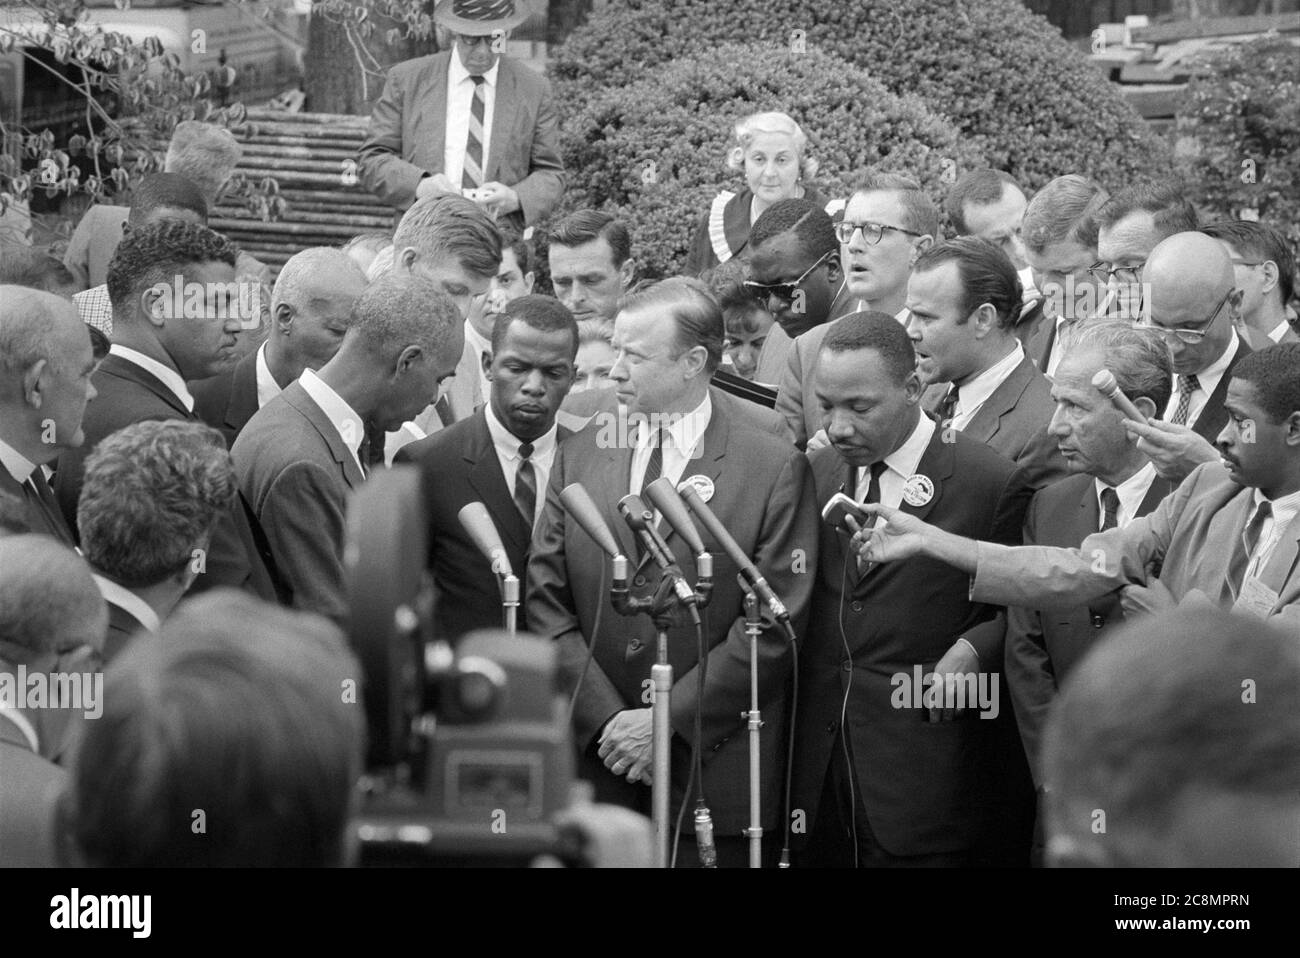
[(1190, 335), (785, 292), (1103, 273), (871, 232), (466, 40), (1247, 263)]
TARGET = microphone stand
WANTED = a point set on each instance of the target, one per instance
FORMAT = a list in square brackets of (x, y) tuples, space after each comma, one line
[(510, 602), (753, 629)]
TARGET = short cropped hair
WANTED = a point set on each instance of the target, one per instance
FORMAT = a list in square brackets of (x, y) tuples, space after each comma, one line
[(522, 248), (697, 316), (34, 268), (166, 191), (756, 123), (1275, 374), (726, 282), (157, 253), (373, 242), (238, 717), (205, 154), (920, 215), (48, 600), (401, 309), (152, 494), (447, 226), (1173, 212), (1262, 242), (1138, 356), (546, 314), (872, 329), (29, 329), (811, 225), (301, 272), (976, 188), (587, 226), (987, 275), (1065, 210)]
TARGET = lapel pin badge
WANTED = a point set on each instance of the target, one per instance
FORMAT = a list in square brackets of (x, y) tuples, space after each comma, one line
[(918, 490), (703, 486)]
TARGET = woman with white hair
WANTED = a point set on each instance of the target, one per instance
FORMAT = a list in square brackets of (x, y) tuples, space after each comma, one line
[(770, 149)]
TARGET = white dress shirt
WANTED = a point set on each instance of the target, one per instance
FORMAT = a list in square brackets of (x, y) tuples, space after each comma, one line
[(124, 598), (1270, 534), (1208, 379), (460, 98), (1279, 331), (342, 416), (507, 448), (165, 374), (1131, 492), (899, 465), (683, 439), (974, 394), (15, 463), (267, 387)]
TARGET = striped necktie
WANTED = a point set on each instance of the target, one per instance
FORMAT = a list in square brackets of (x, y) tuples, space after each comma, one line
[(1186, 386), (526, 485), (472, 174)]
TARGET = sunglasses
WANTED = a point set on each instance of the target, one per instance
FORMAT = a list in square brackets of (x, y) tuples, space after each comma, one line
[(785, 292)]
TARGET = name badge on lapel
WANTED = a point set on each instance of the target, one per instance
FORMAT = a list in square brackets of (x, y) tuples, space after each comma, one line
[(918, 490), (703, 486)]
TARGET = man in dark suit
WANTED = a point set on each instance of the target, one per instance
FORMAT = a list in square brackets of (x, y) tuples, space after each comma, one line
[(502, 456), (1111, 485), (757, 485), (882, 780), (46, 363), (963, 301), (1192, 300), (310, 304), (301, 454), (178, 312), (467, 119), (151, 496)]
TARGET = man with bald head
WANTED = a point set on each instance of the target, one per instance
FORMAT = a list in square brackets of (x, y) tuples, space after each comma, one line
[(1191, 299), (45, 366), (310, 304), (301, 454)]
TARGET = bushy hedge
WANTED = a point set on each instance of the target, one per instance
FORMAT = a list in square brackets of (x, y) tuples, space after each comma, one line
[(1015, 89), (654, 150), (1239, 135)]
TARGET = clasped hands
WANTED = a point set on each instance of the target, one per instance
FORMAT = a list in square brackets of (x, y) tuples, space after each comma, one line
[(496, 198), (627, 744)]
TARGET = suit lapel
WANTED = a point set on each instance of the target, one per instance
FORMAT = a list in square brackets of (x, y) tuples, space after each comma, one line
[(1214, 415), (1156, 493), (984, 424), (487, 479), (436, 120), (503, 119), (129, 371), (613, 474), (300, 399), (1283, 560), (243, 393), (1089, 514), (713, 449)]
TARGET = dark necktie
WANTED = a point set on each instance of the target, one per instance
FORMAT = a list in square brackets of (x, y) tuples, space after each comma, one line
[(872, 496), (36, 491), (1245, 547), (947, 406), (443, 408), (371, 452), (1186, 386), (655, 467), (526, 484), (1109, 509), (472, 173)]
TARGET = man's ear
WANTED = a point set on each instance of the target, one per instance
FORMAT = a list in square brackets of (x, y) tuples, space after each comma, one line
[(627, 272), (1146, 407), (406, 258), (1271, 276), (1291, 435), (485, 358), (921, 244), (697, 360), (156, 304), (283, 318), (985, 318), (408, 358), (32, 382), (913, 388), (834, 269)]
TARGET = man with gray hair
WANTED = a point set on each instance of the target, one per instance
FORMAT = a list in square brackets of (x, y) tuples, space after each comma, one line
[(151, 498), (1110, 484), (45, 366), (310, 305), (299, 455)]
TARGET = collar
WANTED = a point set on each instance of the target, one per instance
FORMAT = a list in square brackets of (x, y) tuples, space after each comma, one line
[(24, 726), (165, 374), (686, 430), (342, 416), (1287, 505), (124, 598), (267, 387), (905, 459), (17, 465), (973, 394), (507, 444), (457, 73), (1279, 331), (1131, 491)]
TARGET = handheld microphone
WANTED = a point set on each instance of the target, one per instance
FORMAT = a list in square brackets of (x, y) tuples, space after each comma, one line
[(641, 521), (732, 548), (671, 507), (577, 502), (476, 521), (1108, 387)]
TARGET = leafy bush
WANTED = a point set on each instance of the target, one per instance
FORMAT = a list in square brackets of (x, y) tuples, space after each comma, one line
[(653, 151), (1239, 135), (1018, 93)]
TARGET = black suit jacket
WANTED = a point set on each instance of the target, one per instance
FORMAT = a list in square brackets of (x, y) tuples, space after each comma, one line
[(48, 521), (1214, 414), (928, 788), (122, 628), (237, 556), (227, 401), (1042, 648), (459, 465)]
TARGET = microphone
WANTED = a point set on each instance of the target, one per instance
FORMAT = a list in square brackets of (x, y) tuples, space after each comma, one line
[(732, 548), (671, 507), (1108, 387), (476, 521), (641, 521), (586, 513)]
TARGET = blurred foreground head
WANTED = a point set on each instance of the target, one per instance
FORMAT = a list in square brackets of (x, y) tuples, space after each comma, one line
[(234, 740), (1177, 744)]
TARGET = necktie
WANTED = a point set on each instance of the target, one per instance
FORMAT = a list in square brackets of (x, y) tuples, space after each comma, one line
[(36, 492), (526, 484), (1186, 386), (655, 467), (443, 408), (1246, 547), (472, 173), (371, 453), (873, 496), (1109, 509), (947, 406)]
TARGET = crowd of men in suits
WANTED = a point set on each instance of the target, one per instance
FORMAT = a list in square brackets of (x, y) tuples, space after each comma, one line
[(1012, 529)]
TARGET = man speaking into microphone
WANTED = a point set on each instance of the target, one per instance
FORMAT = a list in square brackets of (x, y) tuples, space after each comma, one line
[(672, 424)]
